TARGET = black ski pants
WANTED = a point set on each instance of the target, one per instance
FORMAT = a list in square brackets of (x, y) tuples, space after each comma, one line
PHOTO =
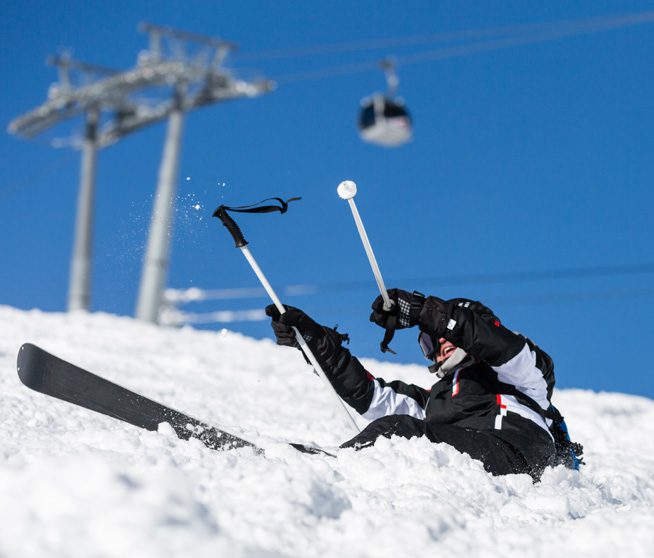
[(520, 447)]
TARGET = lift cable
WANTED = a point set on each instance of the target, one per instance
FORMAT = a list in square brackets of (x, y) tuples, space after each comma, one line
[(588, 25), (562, 31), (183, 296)]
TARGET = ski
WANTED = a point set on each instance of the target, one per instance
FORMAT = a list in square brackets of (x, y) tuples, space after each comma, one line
[(53, 376)]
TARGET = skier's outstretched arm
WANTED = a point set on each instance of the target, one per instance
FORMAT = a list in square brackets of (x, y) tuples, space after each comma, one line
[(371, 397), (475, 328)]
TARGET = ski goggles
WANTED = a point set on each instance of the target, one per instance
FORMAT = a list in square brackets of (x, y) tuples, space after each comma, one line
[(430, 347)]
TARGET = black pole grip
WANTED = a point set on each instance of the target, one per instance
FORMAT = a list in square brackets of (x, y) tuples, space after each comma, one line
[(231, 225)]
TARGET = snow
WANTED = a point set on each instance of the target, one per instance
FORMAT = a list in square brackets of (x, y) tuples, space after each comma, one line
[(77, 484)]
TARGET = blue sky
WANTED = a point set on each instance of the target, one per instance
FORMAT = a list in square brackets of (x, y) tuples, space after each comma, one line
[(528, 184)]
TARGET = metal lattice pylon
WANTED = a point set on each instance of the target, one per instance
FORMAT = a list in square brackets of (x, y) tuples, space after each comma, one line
[(189, 68)]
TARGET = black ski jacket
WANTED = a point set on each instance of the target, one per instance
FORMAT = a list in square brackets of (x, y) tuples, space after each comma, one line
[(504, 374)]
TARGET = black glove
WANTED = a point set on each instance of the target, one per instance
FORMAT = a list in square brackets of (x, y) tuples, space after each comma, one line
[(324, 342), (282, 325), (406, 308)]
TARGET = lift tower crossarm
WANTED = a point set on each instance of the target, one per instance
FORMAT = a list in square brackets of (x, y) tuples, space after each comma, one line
[(181, 35), (108, 92)]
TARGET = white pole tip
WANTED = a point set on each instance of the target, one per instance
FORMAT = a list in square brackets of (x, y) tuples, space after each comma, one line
[(347, 189)]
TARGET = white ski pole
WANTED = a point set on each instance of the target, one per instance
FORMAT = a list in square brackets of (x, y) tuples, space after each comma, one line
[(346, 191), (241, 244)]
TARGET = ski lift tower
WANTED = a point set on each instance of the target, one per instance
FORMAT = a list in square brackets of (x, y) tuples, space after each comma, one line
[(109, 101), (204, 82), (88, 90)]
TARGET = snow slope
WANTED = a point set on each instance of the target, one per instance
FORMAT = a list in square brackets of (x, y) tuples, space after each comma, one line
[(77, 484)]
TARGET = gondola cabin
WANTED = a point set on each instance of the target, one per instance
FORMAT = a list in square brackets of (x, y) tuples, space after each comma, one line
[(384, 121)]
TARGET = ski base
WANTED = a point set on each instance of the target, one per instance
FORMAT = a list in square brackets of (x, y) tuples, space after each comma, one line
[(53, 376)]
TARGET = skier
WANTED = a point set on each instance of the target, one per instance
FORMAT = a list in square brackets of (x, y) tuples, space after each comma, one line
[(492, 396)]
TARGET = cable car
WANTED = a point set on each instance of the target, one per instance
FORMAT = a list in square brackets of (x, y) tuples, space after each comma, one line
[(384, 119)]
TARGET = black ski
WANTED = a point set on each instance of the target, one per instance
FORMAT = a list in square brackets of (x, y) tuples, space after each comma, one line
[(50, 375)]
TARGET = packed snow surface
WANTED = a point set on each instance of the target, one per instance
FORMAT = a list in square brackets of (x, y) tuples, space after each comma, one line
[(78, 484)]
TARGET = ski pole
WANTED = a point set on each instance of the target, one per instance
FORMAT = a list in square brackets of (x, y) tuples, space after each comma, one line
[(241, 244), (346, 191)]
